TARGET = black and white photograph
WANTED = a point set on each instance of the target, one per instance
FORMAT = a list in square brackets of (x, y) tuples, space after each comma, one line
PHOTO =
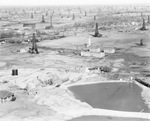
[(74, 60)]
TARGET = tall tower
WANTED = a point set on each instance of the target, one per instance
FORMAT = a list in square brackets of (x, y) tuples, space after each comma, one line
[(96, 29), (43, 20), (143, 25), (148, 21), (31, 15)]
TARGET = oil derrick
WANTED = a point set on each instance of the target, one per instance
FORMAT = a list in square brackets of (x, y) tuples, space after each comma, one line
[(94, 17), (23, 11), (51, 24), (97, 34), (34, 48), (31, 15), (148, 21), (141, 14), (73, 16), (43, 20), (143, 25), (46, 13), (141, 42), (68, 11), (51, 19), (80, 10), (85, 13)]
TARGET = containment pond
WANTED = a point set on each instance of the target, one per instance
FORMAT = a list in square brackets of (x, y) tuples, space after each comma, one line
[(105, 118), (120, 96)]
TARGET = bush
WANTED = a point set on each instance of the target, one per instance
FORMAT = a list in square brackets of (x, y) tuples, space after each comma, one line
[(13, 40), (8, 34)]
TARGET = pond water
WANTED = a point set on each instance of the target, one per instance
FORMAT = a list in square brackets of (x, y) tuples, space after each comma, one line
[(105, 118), (119, 96)]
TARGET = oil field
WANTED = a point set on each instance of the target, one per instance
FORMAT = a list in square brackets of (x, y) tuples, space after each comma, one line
[(75, 63)]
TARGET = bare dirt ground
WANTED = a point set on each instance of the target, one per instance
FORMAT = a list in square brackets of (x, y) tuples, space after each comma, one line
[(41, 86)]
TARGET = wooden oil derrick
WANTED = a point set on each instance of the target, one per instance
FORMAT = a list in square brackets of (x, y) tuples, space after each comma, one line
[(96, 30), (68, 11), (53, 11), (73, 16), (75, 25), (23, 11), (46, 13), (90, 11), (32, 15), (141, 42), (34, 48), (85, 13), (141, 14), (80, 10), (43, 20), (148, 21), (97, 34), (143, 25), (94, 17), (51, 21)]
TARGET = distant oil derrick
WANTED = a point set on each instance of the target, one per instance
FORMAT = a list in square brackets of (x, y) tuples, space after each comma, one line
[(51, 21), (32, 15), (53, 11), (143, 25), (46, 13), (141, 14), (80, 10), (85, 13), (97, 34), (43, 20), (23, 11), (141, 42), (148, 21), (75, 25), (68, 11), (94, 17), (73, 16), (34, 48)]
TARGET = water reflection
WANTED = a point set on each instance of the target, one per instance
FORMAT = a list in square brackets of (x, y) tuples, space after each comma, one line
[(115, 96)]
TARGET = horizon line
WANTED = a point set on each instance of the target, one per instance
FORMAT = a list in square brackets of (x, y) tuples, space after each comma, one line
[(128, 4)]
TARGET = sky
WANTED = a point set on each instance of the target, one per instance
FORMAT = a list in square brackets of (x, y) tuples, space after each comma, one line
[(69, 2)]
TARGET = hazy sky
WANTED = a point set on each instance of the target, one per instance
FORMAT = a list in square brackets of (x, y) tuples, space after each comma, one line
[(70, 2)]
